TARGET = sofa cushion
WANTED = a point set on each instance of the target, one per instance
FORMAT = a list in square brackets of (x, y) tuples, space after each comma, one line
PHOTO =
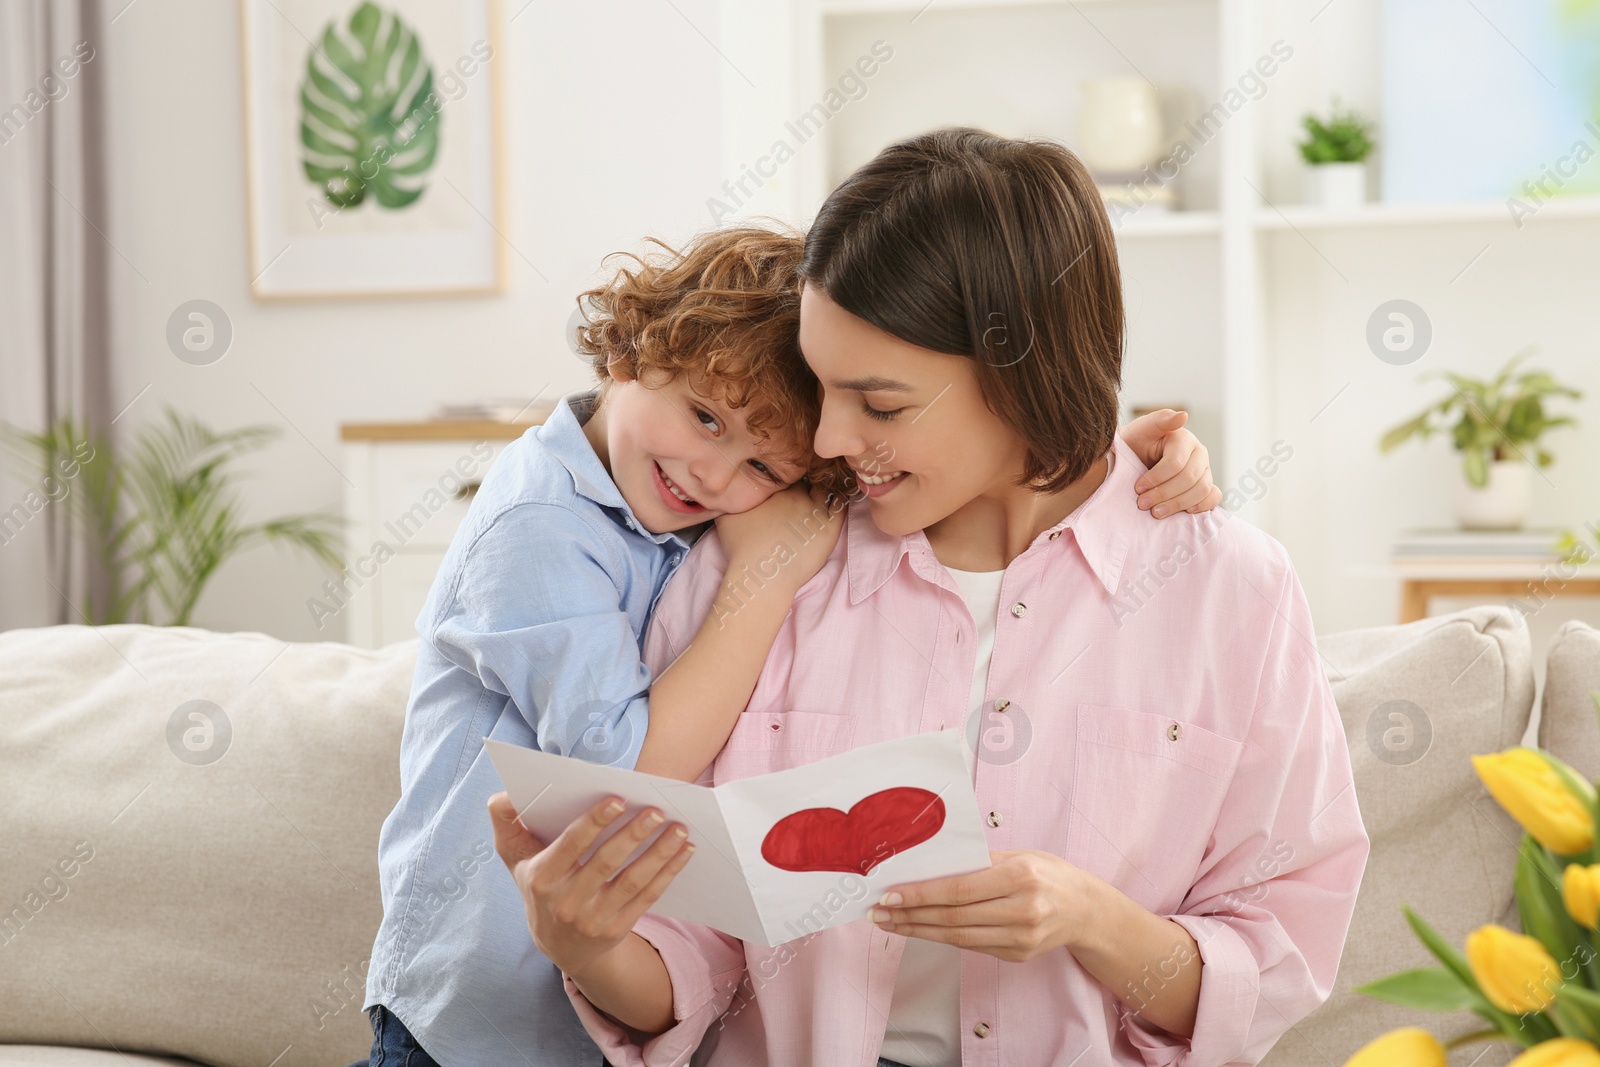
[(191, 829), (167, 900), (1461, 684), (66, 1056), (1567, 725)]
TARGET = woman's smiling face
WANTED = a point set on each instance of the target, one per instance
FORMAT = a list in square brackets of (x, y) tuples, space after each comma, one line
[(907, 414)]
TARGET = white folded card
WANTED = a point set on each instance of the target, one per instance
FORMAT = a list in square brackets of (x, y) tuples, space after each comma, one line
[(786, 854)]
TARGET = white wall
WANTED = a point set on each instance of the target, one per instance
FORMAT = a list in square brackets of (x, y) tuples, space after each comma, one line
[(612, 124), (614, 111)]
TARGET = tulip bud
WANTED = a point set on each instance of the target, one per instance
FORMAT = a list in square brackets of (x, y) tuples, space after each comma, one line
[(1528, 787), (1580, 892), (1513, 970), (1410, 1047), (1560, 1052)]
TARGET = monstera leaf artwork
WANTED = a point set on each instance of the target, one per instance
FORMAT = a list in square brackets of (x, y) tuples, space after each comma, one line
[(364, 124)]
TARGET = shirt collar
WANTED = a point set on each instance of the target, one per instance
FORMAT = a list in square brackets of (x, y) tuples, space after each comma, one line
[(562, 436), (1101, 527)]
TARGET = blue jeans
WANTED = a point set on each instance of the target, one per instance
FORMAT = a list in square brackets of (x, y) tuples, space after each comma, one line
[(393, 1045)]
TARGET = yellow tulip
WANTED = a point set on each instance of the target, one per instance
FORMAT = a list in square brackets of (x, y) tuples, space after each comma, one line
[(1560, 1052), (1410, 1047), (1527, 786), (1513, 970), (1580, 892)]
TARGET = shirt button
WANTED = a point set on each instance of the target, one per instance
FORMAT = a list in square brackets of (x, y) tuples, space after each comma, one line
[(1001, 704), (1055, 535), (982, 1029), (994, 818), (1174, 732), (1019, 609)]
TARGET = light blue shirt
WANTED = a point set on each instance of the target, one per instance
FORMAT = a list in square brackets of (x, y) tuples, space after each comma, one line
[(532, 634)]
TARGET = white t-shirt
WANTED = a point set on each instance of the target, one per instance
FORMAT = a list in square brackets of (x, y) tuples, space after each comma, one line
[(925, 1013)]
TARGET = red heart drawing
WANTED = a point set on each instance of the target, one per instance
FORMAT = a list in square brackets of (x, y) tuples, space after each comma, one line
[(877, 827)]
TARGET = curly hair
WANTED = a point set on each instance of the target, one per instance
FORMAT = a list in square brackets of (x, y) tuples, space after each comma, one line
[(725, 311)]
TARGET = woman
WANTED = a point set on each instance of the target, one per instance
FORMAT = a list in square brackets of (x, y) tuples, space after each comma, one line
[(1177, 849)]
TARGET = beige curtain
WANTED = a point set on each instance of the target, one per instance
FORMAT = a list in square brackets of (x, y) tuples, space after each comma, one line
[(54, 308)]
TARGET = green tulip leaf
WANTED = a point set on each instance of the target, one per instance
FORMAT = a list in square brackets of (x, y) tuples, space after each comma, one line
[(1539, 903), (1577, 1012), (1579, 786), (1442, 950), (1525, 1031), (1425, 988), (365, 121)]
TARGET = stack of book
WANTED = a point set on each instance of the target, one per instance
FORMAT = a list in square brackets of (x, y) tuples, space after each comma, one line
[(509, 409), (1477, 548)]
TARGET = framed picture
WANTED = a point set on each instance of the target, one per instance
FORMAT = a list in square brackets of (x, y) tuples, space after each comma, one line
[(371, 145)]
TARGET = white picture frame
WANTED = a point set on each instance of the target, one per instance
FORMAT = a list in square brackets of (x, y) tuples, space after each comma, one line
[(415, 207)]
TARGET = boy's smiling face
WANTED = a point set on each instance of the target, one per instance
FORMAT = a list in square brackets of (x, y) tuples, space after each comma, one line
[(665, 442)]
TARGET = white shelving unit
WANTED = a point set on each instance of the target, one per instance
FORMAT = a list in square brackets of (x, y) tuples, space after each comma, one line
[(1245, 305), (1000, 65), (1469, 213)]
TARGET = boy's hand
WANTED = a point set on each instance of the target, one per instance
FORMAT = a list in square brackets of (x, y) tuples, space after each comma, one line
[(1179, 478), (576, 911), (795, 517)]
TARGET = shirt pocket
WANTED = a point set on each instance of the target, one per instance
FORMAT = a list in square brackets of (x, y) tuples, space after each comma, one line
[(766, 741), (1146, 793)]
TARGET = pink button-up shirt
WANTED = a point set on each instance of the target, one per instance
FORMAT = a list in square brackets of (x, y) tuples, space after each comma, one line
[(1156, 714)]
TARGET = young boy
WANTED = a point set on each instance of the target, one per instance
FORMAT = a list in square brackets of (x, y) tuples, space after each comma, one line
[(532, 631)]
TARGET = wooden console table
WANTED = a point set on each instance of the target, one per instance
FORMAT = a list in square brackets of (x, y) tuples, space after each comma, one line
[(1534, 583), (410, 486)]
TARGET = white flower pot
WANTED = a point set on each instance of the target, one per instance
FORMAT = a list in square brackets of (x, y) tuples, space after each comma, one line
[(1338, 184), (1502, 504)]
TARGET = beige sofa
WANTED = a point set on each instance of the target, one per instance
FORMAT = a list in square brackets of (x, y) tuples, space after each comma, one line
[(182, 886)]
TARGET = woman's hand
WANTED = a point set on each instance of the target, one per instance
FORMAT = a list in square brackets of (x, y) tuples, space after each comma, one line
[(1179, 478), (577, 912), (1027, 904)]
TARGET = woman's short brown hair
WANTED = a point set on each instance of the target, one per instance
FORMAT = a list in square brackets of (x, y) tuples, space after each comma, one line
[(724, 310), (963, 242)]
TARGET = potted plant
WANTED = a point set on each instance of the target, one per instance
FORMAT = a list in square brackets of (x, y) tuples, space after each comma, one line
[(1496, 425), (162, 518), (1539, 989), (1337, 150)]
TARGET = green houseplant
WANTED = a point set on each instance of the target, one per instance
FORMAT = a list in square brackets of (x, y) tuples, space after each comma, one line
[(1336, 148), (1497, 425), (162, 519)]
